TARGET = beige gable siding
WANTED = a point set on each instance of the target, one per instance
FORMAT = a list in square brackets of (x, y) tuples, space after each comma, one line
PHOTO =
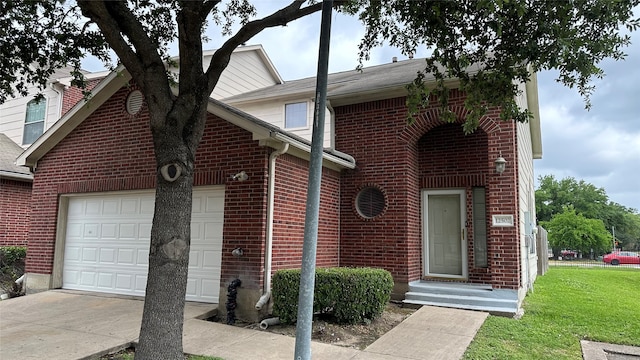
[(526, 195), (273, 113), (246, 72), (12, 114)]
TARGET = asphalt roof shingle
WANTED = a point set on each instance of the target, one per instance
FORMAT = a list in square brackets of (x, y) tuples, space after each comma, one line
[(9, 151)]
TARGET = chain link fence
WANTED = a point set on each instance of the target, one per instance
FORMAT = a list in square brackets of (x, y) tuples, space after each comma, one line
[(622, 259)]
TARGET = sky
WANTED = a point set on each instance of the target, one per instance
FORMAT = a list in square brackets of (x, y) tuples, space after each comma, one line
[(600, 146)]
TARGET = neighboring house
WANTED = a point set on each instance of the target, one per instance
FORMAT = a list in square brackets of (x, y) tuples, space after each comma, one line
[(24, 118), (15, 195), (419, 199)]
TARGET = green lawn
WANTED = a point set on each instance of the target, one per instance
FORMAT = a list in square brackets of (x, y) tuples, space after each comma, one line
[(568, 305)]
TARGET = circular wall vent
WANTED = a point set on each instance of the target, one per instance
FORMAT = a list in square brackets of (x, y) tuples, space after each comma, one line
[(134, 102), (370, 202)]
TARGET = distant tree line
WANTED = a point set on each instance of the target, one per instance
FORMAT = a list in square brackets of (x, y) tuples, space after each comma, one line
[(580, 216)]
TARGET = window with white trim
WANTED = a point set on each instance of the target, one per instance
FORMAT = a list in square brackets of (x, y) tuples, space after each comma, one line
[(295, 115), (34, 121)]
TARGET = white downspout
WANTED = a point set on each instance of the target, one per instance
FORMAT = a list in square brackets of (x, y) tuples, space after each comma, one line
[(266, 295)]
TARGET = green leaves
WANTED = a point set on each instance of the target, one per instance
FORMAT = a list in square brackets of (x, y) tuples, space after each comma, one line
[(39, 37), (569, 230), (559, 201), (493, 45), (350, 295)]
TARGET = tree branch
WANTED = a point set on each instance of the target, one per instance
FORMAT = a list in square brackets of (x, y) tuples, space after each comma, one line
[(114, 19), (281, 17), (98, 13)]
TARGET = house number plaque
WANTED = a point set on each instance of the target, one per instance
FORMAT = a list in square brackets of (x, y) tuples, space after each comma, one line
[(502, 220)]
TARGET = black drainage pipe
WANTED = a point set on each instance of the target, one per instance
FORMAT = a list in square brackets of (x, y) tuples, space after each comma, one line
[(231, 304)]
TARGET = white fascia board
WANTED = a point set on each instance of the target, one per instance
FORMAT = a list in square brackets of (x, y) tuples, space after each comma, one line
[(74, 117), (66, 81)]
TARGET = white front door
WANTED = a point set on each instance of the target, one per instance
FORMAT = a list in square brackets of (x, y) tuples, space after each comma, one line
[(444, 235)]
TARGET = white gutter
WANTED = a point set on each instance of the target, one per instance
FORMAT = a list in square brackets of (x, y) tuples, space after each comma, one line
[(338, 157), (266, 295), (15, 175)]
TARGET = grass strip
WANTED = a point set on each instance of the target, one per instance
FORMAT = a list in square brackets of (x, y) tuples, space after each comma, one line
[(568, 304)]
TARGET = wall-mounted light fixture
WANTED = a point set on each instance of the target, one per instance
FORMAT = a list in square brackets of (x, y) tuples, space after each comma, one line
[(237, 252), (500, 164), (241, 176)]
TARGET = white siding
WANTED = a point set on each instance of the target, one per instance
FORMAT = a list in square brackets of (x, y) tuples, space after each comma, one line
[(273, 113), (526, 193), (12, 113), (246, 72)]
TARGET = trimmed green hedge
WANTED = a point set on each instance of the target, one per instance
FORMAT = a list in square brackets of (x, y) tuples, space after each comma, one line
[(350, 295)]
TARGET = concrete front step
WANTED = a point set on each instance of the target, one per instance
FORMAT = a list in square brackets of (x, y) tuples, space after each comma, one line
[(463, 296)]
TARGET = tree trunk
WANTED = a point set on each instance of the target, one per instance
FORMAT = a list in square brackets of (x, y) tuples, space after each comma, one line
[(163, 316)]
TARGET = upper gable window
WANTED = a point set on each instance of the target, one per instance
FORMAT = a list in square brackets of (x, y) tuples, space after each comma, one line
[(295, 115), (34, 121)]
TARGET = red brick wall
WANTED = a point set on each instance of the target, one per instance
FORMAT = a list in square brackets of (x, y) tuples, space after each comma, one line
[(450, 159), (73, 94), (402, 159), (289, 215), (15, 206), (112, 150), (369, 132)]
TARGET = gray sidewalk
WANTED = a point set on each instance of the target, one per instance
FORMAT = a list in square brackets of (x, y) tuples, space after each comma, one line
[(73, 325)]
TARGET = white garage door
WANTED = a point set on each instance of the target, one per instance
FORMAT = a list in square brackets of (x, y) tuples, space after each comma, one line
[(107, 243)]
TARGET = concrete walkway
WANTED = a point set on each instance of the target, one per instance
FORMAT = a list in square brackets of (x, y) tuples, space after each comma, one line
[(77, 325)]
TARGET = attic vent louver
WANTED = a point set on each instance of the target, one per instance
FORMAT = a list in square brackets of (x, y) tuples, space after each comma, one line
[(134, 102)]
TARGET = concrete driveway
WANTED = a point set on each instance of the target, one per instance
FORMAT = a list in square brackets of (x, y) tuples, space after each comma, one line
[(61, 324)]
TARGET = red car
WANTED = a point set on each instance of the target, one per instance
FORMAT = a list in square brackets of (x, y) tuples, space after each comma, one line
[(622, 257)]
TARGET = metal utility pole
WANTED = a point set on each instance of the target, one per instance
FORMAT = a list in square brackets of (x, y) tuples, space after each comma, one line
[(308, 271)]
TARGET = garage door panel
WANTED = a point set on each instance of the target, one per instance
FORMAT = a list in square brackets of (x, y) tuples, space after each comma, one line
[(143, 257), (107, 256), (126, 256), (211, 259), (89, 255), (90, 231), (92, 207), (107, 243), (111, 207), (208, 286), (88, 278)]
